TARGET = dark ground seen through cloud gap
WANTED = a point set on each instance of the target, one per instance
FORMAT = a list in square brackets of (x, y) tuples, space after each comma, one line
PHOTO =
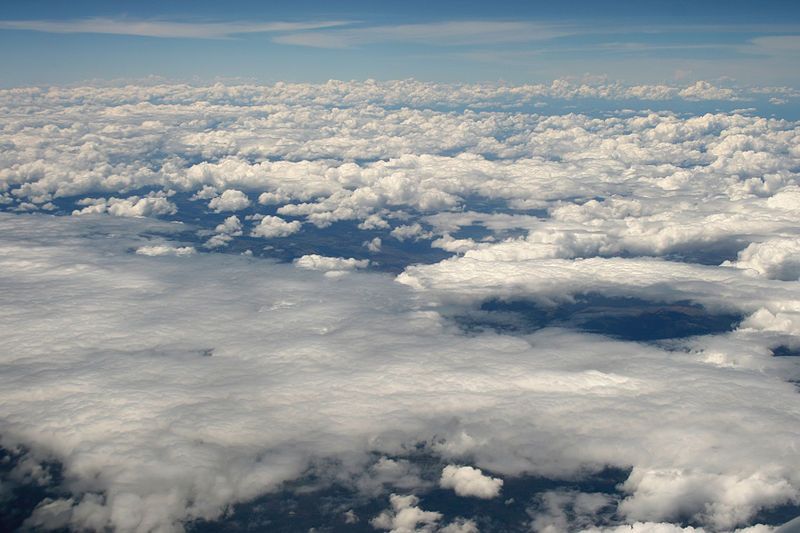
[(632, 319)]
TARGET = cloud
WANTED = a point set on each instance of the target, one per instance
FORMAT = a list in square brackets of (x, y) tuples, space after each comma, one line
[(446, 33), (229, 200), (164, 249), (211, 379), (154, 204), (271, 227), (410, 232), (702, 90), (774, 259), (373, 245), (468, 481), (225, 232), (162, 28), (406, 516), (185, 435), (329, 264), (563, 510), (775, 45)]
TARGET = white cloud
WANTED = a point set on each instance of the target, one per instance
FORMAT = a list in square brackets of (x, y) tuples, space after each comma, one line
[(165, 249), (225, 232), (229, 200), (626, 205), (469, 481), (205, 193), (374, 245), (186, 435), (153, 204), (774, 259), (328, 264), (271, 227), (406, 517), (161, 28), (702, 90), (410, 232), (563, 510), (448, 33)]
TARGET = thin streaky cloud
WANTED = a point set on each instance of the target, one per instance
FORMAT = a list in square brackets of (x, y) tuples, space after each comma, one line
[(162, 28), (447, 33)]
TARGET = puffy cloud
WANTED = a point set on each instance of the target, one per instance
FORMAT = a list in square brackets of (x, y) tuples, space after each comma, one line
[(774, 259), (154, 204), (271, 226), (229, 200), (410, 232), (406, 517), (703, 90), (469, 481), (165, 249), (224, 232), (374, 245), (329, 264)]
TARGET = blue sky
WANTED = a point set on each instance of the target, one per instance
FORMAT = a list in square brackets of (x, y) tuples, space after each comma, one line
[(638, 42)]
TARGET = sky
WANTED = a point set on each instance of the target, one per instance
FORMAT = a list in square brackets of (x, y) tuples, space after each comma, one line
[(53, 42)]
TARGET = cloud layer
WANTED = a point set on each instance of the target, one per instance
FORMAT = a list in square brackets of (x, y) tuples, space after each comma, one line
[(171, 382)]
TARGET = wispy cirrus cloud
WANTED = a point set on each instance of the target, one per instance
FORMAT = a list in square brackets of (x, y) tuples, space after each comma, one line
[(163, 28), (446, 33)]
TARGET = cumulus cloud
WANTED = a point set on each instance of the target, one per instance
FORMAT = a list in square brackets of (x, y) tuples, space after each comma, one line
[(774, 259), (329, 264), (374, 245), (469, 481), (410, 232), (405, 516), (225, 232), (229, 200), (153, 204), (271, 226)]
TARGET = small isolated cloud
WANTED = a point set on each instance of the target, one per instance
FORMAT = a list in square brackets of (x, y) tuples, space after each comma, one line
[(328, 264), (410, 231), (405, 516), (271, 227), (165, 249), (230, 200), (469, 481), (373, 245), (225, 232)]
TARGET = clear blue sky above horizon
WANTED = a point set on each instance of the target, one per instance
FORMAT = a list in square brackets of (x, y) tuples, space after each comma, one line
[(55, 42)]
